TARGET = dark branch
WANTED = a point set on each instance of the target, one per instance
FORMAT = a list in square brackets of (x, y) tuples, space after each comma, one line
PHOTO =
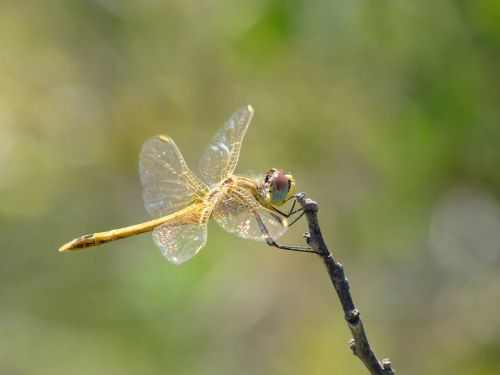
[(359, 344)]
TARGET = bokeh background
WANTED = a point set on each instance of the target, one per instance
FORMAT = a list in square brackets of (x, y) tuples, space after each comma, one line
[(386, 112)]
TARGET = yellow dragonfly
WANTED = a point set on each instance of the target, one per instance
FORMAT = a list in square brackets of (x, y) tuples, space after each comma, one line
[(182, 204)]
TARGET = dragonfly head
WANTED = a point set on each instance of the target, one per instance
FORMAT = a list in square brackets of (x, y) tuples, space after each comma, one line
[(280, 186)]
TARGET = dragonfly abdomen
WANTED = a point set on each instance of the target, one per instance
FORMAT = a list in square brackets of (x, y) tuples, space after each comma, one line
[(188, 215)]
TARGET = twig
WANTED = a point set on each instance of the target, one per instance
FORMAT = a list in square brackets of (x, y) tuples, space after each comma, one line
[(359, 344)]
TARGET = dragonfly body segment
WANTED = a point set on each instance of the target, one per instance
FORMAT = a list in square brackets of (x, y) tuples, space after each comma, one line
[(182, 204)]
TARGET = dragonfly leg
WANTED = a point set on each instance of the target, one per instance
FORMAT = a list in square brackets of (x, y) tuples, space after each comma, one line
[(303, 249), (271, 242), (291, 212), (296, 219)]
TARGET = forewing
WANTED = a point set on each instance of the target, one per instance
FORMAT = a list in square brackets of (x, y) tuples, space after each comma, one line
[(181, 238), (238, 212), (221, 157), (168, 184)]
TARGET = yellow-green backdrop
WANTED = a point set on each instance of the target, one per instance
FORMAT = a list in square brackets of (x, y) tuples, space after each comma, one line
[(386, 112)]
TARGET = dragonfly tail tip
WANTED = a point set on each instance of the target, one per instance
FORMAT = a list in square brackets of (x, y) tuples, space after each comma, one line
[(66, 247)]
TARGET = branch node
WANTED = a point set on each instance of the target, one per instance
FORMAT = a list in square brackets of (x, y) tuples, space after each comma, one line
[(352, 316), (352, 346), (387, 366)]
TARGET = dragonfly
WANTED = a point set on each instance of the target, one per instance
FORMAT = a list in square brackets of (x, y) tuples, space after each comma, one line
[(181, 204)]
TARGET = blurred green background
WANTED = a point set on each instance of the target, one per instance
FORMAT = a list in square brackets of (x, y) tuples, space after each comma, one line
[(386, 112)]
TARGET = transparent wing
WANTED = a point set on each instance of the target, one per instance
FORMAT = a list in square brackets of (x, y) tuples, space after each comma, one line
[(221, 157), (182, 237), (238, 212), (168, 184)]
